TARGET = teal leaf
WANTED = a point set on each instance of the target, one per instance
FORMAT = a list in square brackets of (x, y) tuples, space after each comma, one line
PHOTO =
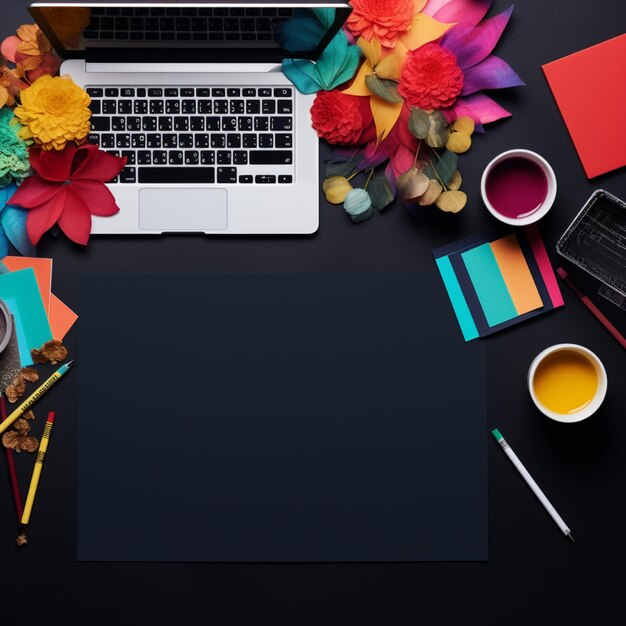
[(338, 167), (380, 192), (301, 73), (326, 16), (358, 205), (300, 34), (13, 226), (446, 165)]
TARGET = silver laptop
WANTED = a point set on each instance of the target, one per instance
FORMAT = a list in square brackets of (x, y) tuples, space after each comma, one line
[(217, 139)]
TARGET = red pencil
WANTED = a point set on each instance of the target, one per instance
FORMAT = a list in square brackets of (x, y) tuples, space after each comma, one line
[(593, 308), (11, 465)]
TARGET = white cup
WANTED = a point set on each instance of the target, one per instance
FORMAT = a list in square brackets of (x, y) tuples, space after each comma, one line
[(587, 410), (545, 167)]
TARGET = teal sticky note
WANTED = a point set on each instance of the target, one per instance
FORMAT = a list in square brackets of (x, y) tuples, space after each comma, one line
[(489, 285), (455, 293), (20, 292)]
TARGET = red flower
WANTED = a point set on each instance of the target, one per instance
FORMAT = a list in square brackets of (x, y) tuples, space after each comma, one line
[(384, 19), (339, 118), (430, 78), (68, 187)]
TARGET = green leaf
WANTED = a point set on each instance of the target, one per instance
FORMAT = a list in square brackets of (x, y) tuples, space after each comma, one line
[(437, 136), (419, 123), (380, 192), (337, 167), (445, 167), (383, 88)]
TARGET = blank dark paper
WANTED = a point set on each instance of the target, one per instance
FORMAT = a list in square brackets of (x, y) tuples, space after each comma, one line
[(278, 417)]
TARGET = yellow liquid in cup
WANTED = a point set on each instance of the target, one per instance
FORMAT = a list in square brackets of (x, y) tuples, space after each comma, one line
[(565, 382)]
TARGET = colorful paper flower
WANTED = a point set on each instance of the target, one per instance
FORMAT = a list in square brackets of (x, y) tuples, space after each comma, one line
[(430, 78), (385, 20), (13, 225), (14, 164), (31, 51), (68, 188), (11, 84), (342, 119), (53, 111)]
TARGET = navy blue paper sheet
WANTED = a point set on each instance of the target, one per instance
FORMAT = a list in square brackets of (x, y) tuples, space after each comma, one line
[(278, 417)]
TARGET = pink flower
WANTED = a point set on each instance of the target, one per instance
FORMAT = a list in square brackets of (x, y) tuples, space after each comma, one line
[(384, 19)]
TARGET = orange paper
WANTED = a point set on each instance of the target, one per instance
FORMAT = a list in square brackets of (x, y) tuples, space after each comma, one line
[(516, 274), (43, 274), (61, 318), (590, 90)]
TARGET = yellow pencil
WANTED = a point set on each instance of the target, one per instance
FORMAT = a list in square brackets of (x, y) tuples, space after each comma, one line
[(22, 408), (34, 481)]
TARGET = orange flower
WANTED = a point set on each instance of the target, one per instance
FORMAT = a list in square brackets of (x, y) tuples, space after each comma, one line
[(31, 51), (54, 111), (10, 85), (384, 19)]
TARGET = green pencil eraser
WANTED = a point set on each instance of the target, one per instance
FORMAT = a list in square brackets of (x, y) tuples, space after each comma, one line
[(496, 433)]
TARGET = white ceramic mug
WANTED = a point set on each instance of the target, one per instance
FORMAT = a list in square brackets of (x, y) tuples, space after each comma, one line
[(548, 201), (598, 398)]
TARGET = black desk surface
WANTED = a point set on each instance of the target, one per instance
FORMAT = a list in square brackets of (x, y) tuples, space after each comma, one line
[(534, 574)]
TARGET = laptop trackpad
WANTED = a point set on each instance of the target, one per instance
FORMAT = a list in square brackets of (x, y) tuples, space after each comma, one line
[(183, 209)]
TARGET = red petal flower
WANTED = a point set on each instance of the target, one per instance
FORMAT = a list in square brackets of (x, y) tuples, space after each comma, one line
[(90, 163), (44, 217), (52, 165), (33, 192), (339, 118), (75, 221), (101, 200)]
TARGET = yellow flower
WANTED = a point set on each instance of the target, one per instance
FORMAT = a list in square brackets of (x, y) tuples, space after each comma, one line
[(53, 111)]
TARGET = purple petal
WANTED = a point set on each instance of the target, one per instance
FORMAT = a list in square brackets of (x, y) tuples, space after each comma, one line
[(481, 108), (457, 38), (463, 11), (473, 46), (433, 6), (492, 73)]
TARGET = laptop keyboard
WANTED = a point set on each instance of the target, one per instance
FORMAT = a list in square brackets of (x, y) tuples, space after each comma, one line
[(221, 135)]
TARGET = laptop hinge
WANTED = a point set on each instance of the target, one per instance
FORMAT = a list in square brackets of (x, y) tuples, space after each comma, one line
[(177, 68)]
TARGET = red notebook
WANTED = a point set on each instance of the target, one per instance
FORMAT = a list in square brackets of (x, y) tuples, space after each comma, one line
[(590, 90)]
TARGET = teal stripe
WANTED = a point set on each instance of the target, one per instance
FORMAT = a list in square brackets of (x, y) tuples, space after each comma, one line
[(463, 314), (489, 285)]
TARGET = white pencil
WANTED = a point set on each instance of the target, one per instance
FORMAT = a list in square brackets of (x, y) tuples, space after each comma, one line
[(532, 484)]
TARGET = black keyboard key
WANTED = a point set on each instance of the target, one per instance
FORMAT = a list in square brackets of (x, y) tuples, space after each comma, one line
[(283, 140), (134, 124), (266, 140), (218, 141), (176, 175), (271, 157), (128, 175), (159, 157), (223, 157), (183, 24), (130, 156), (171, 92), (111, 92), (175, 157), (249, 92), (122, 141), (264, 92), (201, 140), (237, 107), (244, 123), (172, 107), (153, 141), (156, 107), (155, 92), (165, 123), (249, 141), (138, 140), (109, 107), (282, 92), (285, 178), (95, 92), (240, 157), (284, 106), (226, 174), (205, 106), (181, 123), (187, 92), (268, 107), (253, 107), (141, 92), (121, 23), (245, 178), (229, 123), (233, 140), (218, 92), (281, 123), (107, 141), (95, 107), (220, 106), (192, 157), (170, 140), (233, 92), (261, 123), (140, 107), (264, 179), (185, 140), (114, 152), (189, 107), (144, 157), (100, 123), (196, 123), (212, 123), (118, 123), (207, 157), (232, 36), (93, 138), (203, 92), (147, 123)]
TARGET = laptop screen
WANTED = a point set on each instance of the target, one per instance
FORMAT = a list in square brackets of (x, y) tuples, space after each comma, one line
[(188, 32)]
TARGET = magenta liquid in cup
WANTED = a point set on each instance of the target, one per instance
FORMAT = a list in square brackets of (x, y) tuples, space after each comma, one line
[(518, 187)]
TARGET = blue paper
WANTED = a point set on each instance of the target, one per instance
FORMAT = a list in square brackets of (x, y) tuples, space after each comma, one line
[(13, 226)]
